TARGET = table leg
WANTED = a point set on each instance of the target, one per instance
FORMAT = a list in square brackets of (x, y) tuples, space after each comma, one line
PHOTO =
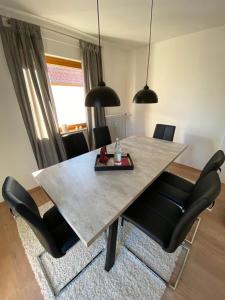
[(111, 246)]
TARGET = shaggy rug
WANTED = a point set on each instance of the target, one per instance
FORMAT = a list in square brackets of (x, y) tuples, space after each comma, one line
[(128, 279)]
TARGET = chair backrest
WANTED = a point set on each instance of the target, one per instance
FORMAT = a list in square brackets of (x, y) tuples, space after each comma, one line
[(19, 200), (102, 136), (202, 196), (214, 164), (164, 132), (75, 144)]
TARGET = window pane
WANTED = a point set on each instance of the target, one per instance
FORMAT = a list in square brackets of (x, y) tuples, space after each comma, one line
[(68, 93), (69, 101)]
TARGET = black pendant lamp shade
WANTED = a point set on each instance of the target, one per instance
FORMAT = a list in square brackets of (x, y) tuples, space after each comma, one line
[(102, 95), (146, 95)]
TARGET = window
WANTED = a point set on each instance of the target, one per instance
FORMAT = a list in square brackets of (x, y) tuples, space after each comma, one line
[(66, 78)]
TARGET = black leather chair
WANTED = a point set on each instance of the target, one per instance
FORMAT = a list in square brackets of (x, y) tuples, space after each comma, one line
[(164, 132), (52, 231), (102, 136), (164, 221), (178, 189), (75, 144)]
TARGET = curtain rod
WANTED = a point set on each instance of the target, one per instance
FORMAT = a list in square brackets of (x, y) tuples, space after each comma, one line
[(49, 29), (68, 35)]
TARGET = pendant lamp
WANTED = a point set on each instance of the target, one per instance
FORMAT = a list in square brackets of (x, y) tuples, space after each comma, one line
[(102, 95), (146, 95)]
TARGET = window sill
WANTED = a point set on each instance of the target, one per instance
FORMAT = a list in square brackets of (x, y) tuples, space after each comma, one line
[(73, 131)]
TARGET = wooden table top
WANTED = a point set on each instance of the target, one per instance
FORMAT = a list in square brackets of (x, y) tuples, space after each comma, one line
[(91, 201)]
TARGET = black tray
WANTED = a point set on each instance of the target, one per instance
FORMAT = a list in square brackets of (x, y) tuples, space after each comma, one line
[(110, 166)]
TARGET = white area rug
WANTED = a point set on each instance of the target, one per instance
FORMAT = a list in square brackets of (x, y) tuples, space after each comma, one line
[(128, 279)]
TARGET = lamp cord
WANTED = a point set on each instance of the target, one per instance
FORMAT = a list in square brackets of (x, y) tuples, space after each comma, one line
[(149, 41), (100, 79)]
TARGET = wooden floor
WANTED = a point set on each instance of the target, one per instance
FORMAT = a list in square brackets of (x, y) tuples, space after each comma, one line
[(204, 273)]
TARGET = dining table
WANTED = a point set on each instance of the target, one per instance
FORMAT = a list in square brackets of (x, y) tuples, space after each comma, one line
[(92, 201)]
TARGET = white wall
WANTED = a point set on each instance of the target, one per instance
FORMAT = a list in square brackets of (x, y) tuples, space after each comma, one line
[(188, 74), (115, 64), (16, 156)]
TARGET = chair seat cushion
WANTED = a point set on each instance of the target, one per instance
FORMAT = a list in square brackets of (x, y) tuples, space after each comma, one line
[(177, 182), (174, 187), (163, 206), (155, 215), (172, 192), (63, 234)]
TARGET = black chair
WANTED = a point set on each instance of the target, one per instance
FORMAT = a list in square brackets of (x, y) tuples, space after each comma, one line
[(75, 144), (52, 231), (178, 189), (164, 132), (165, 222), (102, 136)]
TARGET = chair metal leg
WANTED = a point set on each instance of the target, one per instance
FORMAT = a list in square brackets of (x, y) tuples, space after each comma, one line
[(57, 293), (168, 283), (190, 242), (187, 251)]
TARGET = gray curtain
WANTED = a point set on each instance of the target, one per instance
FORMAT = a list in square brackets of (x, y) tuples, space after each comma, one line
[(24, 52), (92, 70)]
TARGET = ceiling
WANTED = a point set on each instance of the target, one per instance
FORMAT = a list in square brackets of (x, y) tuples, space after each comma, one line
[(126, 21)]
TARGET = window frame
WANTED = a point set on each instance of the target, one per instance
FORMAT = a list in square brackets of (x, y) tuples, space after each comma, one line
[(58, 61), (53, 60)]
